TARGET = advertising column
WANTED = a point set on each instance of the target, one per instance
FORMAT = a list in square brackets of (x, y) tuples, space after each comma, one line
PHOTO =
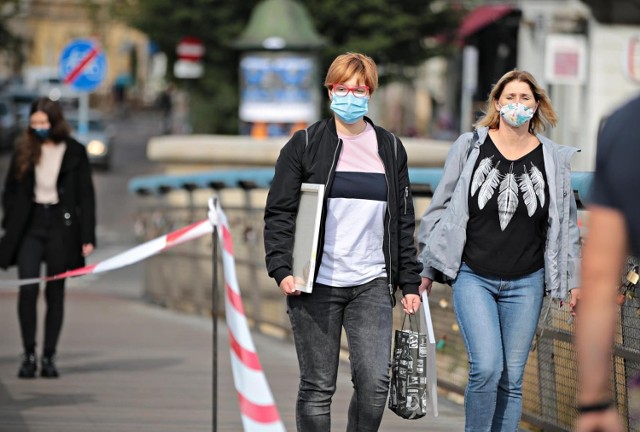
[(278, 93)]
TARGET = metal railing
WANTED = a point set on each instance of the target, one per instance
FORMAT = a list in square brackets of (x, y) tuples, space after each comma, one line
[(181, 279)]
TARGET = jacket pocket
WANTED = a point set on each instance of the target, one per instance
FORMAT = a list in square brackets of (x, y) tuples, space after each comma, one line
[(444, 248)]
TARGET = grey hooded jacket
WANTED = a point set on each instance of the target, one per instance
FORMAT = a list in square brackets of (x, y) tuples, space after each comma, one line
[(443, 228)]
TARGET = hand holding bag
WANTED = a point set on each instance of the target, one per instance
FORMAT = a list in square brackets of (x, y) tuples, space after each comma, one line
[(408, 392)]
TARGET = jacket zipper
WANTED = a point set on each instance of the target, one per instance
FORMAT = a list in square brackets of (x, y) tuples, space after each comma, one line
[(325, 199), (333, 164), (390, 282), (406, 195)]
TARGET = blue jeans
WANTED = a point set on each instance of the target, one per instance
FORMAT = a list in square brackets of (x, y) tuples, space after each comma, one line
[(317, 319), (498, 320)]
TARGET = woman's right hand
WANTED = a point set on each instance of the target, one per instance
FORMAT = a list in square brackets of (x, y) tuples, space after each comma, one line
[(288, 286), (425, 285)]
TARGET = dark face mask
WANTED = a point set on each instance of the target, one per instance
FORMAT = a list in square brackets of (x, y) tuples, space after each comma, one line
[(41, 133)]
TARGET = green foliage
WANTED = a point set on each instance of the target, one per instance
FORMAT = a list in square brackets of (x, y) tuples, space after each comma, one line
[(393, 32), (215, 96), (10, 43)]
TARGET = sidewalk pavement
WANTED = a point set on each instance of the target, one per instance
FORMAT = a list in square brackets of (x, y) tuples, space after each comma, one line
[(127, 366)]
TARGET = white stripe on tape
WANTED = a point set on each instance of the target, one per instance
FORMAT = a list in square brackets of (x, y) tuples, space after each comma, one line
[(252, 384), (238, 326)]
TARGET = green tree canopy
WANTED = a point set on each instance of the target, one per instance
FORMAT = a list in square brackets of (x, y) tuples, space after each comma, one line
[(393, 32), (10, 44)]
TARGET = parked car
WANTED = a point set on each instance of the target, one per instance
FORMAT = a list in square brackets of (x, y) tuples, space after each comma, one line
[(22, 98), (8, 124), (15, 103), (98, 139)]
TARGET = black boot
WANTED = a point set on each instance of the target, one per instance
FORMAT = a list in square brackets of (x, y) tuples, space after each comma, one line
[(28, 366), (48, 367)]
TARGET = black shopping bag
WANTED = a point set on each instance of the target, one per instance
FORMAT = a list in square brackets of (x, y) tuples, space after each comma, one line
[(408, 392)]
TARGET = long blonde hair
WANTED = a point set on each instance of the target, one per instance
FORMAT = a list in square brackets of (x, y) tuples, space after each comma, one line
[(544, 115)]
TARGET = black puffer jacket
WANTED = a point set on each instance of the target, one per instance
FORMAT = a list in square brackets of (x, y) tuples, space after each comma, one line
[(311, 156)]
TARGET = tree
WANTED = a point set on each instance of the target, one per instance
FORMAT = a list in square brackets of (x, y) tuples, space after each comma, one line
[(214, 97), (10, 44), (393, 32)]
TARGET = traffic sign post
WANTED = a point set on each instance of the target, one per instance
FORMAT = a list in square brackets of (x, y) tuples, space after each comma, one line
[(190, 51), (83, 66)]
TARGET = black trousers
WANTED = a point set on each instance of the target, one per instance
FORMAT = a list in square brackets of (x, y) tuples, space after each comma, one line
[(43, 242)]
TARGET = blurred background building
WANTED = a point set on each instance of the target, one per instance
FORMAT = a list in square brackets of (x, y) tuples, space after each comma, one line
[(433, 82)]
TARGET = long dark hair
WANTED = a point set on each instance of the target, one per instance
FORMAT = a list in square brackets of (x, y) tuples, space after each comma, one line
[(29, 145)]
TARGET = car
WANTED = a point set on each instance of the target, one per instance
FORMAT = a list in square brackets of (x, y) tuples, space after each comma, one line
[(98, 139), (8, 124), (22, 98), (15, 104)]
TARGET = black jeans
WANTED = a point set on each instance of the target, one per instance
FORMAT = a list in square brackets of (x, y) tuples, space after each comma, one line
[(43, 242), (317, 319)]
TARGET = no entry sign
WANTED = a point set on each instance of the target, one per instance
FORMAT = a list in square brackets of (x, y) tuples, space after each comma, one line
[(83, 65), (190, 51)]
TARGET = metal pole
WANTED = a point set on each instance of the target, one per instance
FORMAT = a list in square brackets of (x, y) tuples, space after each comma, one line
[(214, 317)]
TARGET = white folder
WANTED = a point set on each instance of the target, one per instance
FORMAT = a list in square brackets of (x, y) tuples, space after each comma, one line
[(307, 231)]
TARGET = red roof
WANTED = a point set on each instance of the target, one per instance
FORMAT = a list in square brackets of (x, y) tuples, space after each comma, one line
[(481, 17)]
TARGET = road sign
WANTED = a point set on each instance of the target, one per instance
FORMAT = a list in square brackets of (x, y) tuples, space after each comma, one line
[(83, 65), (190, 48), (190, 51)]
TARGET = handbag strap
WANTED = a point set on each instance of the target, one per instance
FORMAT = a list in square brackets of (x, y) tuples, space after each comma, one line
[(411, 322)]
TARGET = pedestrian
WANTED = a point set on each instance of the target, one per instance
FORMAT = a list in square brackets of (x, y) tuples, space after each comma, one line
[(365, 249), (613, 233), (502, 226), (49, 216), (165, 103)]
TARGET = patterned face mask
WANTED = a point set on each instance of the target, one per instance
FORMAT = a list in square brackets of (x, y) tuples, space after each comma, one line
[(516, 114)]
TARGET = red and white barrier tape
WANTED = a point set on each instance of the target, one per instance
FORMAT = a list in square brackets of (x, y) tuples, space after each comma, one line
[(131, 256), (257, 407)]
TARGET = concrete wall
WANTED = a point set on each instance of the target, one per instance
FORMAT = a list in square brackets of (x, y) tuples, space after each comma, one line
[(183, 153)]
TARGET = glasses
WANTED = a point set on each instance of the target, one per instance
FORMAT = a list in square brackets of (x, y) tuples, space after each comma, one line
[(358, 91)]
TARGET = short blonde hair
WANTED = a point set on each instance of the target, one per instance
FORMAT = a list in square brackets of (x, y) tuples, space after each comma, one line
[(351, 64), (544, 115)]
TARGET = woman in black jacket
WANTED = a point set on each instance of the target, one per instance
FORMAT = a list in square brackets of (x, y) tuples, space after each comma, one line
[(365, 249), (49, 216)]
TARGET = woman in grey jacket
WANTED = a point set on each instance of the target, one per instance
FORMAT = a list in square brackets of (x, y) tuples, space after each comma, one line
[(501, 229)]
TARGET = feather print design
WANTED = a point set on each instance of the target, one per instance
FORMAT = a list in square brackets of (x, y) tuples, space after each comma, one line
[(538, 183), (528, 193), (489, 186), (481, 173), (508, 198)]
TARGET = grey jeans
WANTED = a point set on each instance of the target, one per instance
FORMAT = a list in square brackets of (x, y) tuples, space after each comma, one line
[(317, 319)]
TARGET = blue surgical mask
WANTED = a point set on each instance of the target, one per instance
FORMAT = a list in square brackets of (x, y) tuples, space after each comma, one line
[(42, 133), (516, 114), (349, 108)]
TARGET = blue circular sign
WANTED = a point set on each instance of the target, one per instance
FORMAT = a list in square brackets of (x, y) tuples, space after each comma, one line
[(83, 65)]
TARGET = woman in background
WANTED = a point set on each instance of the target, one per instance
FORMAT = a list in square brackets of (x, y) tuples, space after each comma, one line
[(49, 216)]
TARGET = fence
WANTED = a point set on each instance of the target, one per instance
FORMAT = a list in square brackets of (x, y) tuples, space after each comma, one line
[(181, 279)]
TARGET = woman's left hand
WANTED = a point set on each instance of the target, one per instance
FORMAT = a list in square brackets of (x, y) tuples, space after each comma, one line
[(573, 302), (87, 248), (411, 303)]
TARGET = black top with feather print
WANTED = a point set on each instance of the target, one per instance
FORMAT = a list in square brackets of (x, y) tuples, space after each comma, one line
[(508, 214)]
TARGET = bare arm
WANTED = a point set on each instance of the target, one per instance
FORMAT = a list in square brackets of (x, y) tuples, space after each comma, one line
[(603, 257)]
